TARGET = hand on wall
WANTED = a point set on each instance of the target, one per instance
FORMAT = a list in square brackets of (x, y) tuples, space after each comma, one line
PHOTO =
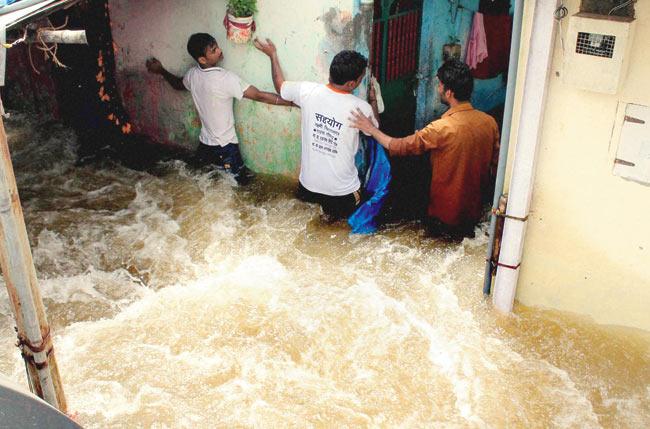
[(154, 66)]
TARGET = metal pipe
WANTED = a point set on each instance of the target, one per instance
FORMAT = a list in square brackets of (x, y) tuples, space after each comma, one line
[(63, 36), (515, 45), (20, 279)]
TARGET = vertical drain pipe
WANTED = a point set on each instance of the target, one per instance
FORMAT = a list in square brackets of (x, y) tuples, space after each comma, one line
[(523, 173), (505, 137), (34, 337)]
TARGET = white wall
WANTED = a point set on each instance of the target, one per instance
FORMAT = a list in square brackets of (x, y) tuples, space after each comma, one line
[(307, 33), (588, 242)]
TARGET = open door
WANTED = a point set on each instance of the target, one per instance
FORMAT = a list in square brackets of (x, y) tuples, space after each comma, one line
[(394, 61)]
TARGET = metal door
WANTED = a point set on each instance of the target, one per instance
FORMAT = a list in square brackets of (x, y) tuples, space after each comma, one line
[(394, 60)]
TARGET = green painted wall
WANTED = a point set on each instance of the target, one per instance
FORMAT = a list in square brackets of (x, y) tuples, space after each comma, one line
[(307, 33)]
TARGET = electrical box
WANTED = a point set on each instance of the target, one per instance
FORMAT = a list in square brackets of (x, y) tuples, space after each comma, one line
[(597, 51), (633, 155)]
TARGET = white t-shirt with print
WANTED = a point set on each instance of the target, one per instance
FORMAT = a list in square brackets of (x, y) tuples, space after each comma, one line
[(329, 143), (213, 90)]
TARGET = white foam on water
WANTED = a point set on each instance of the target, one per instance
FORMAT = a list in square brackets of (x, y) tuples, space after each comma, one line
[(634, 411), (378, 321), (49, 250), (188, 302), (113, 288), (444, 353), (108, 398)]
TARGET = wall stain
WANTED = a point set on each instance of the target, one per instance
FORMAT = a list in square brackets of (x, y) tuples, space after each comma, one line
[(339, 29)]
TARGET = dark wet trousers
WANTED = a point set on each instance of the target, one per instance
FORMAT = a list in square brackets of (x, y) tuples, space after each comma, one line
[(227, 157), (334, 207), (453, 233)]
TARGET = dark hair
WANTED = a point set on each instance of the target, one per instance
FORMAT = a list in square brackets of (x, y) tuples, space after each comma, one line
[(456, 77), (347, 66), (198, 43)]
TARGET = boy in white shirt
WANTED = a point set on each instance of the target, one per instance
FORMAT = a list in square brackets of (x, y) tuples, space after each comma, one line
[(328, 173), (213, 90)]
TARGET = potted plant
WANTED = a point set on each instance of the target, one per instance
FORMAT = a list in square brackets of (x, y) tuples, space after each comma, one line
[(239, 22)]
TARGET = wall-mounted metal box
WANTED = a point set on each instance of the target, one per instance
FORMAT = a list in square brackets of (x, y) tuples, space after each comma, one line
[(633, 155), (597, 51)]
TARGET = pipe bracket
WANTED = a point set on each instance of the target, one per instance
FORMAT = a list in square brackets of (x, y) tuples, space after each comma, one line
[(28, 349), (512, 267), (499, 213)]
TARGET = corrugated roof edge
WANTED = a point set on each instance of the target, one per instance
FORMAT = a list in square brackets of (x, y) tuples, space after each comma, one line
[(27, 10)]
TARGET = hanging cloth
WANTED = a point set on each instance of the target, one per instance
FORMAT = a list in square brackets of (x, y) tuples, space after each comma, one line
[(498, 32), (477, 49), (363, 220)]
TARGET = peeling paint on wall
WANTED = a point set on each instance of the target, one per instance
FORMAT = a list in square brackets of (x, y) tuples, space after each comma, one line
[(339, 28)]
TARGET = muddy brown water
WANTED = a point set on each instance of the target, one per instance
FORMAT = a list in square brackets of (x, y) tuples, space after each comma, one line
[(179, 299)]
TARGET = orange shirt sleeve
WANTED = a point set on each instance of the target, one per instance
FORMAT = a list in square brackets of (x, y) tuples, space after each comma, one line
[(429, 138)]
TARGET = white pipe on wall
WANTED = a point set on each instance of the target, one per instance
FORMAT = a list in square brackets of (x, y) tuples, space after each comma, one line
[(523, 173), (513, 67)]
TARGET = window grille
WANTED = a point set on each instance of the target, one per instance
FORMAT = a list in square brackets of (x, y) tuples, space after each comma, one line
[(598, 45)]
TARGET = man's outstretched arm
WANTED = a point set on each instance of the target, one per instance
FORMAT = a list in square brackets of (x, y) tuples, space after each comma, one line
[(417, 143), (252, 93), (154, 66), (276, 71)]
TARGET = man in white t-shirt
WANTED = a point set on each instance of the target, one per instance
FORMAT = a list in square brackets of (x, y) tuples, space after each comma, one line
[(213, 90), (328, 173)]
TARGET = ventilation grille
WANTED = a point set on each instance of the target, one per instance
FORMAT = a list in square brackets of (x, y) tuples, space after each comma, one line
[(598, 45)]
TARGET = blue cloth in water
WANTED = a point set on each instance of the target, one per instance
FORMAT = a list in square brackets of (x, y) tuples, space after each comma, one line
[(377, 179)]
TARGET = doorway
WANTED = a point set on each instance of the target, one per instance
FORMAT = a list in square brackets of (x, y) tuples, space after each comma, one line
[(394, 61)]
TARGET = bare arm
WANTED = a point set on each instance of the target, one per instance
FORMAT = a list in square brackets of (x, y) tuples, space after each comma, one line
[(276, 71), (154, 66), (252, 93)]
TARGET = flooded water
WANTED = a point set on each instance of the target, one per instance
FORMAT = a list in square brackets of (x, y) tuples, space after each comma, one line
[(179, 299)]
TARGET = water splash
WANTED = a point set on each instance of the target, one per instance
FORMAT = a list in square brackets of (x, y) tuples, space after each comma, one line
[(179, 299)]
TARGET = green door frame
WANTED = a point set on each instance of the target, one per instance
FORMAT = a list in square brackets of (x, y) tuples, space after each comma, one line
[(383, 20)]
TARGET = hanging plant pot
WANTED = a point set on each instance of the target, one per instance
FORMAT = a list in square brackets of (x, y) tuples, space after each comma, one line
[(239, 29)]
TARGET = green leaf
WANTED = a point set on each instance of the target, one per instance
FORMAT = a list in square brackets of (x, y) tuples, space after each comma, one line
[(241, 8)]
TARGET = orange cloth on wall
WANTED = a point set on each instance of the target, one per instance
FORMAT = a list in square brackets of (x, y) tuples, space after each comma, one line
[(463, 148)]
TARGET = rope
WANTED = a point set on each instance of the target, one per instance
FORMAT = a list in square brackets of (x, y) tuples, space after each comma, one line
[(49, 51)]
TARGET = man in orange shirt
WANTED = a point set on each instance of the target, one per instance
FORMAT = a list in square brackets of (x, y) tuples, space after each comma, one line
[(463, 149)]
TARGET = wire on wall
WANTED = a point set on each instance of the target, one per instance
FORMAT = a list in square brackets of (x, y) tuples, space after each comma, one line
[(560, 13), (621, 6)]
